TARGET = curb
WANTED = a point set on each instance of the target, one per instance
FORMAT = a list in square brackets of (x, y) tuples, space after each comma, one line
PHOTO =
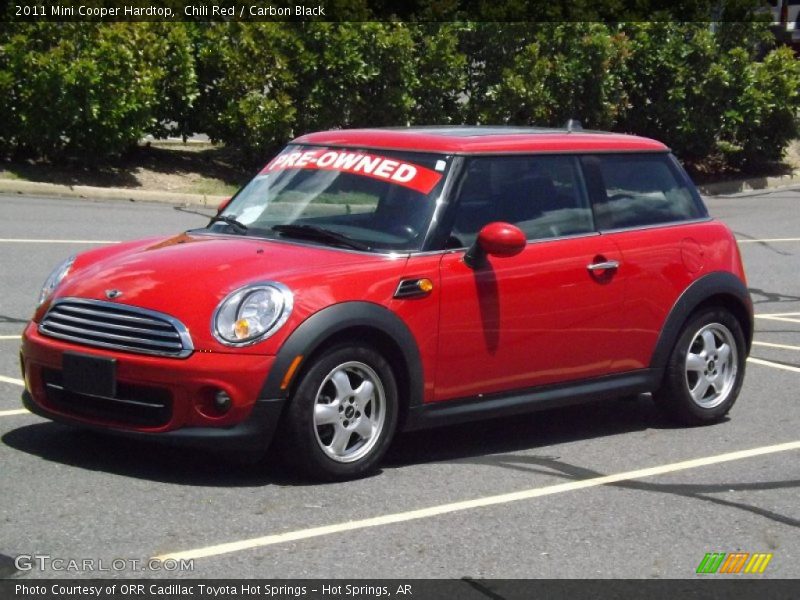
[(14, 186), (735, 186)]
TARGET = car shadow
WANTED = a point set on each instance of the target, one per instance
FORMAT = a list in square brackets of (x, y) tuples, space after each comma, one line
[(12, 320), (766, 297), (153, 461), (527, 431), (107, 453)]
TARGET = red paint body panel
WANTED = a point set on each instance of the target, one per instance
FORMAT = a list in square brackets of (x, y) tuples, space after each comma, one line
[(422, 315), (422, 140), (658, 264), (536, 318), (186, 276), (190, 382), (502, 239)]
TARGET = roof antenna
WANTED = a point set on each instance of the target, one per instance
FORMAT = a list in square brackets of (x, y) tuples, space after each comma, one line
[(573, 125)]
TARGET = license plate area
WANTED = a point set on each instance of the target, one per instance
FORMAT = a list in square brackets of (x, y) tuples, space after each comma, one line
[(91, 375)]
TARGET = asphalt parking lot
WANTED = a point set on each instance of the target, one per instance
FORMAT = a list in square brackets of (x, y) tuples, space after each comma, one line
[(521, 498)]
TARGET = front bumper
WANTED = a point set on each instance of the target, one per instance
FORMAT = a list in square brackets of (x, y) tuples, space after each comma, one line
[(252, 436), (183, 389)]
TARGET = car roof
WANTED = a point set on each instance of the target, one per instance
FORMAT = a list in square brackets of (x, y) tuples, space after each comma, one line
[(482, 140)]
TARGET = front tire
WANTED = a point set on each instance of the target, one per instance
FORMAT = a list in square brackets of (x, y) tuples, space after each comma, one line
[(705, 370), (342, 415)]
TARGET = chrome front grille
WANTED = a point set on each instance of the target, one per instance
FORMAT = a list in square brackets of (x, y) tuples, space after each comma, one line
[(116, 326)]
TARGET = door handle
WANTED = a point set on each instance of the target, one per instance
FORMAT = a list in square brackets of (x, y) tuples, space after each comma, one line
[(607, 265)]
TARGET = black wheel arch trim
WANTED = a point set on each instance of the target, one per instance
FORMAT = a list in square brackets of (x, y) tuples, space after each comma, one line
[(718, 283), (322, 325)]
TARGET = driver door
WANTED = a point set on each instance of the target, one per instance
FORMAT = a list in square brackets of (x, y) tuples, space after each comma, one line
[(543, 316)]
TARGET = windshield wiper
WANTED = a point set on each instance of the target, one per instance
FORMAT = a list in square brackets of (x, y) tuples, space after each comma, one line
[(313, 232), (227, 219)]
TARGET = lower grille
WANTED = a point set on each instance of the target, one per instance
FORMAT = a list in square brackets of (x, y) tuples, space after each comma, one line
[(133, 405), (116, 326)]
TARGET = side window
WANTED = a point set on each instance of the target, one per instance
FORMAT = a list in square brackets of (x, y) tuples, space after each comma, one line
[(542, 195), (640, 190)]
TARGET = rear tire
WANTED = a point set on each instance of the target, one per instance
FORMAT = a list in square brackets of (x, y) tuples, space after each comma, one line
[(342, 415), (705, 370)]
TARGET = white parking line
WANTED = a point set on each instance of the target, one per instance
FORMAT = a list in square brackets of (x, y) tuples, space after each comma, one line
[(786, 318), (771, 345), (32, 241), (442, 509), (774, 365), (9, 337), (768, 240), (16, 411), (4, 379)]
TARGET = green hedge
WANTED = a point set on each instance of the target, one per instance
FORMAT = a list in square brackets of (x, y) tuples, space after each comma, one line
[(720, 97), (707, 96), (88, 90)]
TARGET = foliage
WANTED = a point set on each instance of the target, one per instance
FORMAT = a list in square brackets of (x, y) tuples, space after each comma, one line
[(176, 79), (441, 74), (763, 120), (87, 90), (674, 84), (247, 85), (567, 70), (721, 94), (263, 83), (354, 75), (708, 98)]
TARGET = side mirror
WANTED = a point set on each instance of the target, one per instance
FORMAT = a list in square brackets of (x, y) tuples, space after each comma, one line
[(495, 239), (224, 204)]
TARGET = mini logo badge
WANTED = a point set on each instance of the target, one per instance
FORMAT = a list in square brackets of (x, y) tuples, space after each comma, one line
[(111, 294)]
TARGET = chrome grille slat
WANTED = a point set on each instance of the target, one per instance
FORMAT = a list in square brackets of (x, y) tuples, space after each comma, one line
[(51, 324), (160, 333), (112, 316), (111, 346), (116, 326)]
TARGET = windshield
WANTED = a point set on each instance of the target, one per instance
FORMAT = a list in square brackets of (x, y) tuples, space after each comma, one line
[(363, 199)]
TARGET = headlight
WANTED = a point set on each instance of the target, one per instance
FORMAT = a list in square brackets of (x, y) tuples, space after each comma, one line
[(54, 279), (252, 313)]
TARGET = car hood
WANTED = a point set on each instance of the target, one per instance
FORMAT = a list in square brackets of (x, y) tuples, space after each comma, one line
[(186, 276)]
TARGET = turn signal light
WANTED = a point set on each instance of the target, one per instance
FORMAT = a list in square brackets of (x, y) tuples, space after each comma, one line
[(425, 285)]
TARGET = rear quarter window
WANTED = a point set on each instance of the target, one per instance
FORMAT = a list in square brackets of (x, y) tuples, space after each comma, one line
[(641, 190)]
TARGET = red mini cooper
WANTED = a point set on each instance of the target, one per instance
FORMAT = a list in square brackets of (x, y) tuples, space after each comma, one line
[(371, 281)]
